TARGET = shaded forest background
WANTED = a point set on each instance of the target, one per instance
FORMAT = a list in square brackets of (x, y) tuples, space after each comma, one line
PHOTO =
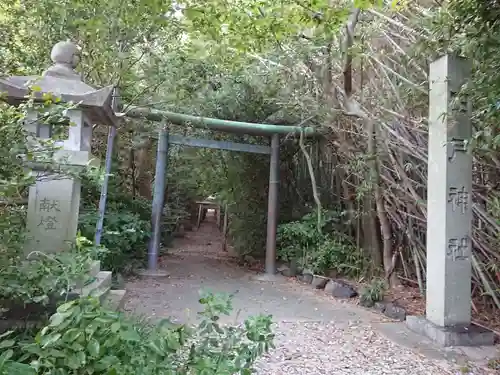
[(356, 71)]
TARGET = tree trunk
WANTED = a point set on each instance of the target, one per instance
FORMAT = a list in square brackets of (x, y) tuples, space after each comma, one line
[(371, 238), (389, 259)]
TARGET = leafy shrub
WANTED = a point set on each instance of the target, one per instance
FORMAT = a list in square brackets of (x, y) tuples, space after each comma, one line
[(85, 338), (116, 200), (41, 276), (321, 251), (296, 238), (125, 236), (336, 253), (373, 292), (12, 228)]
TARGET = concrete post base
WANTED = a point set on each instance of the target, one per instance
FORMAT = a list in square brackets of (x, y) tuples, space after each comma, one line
[(153, 273), (471, 335), (267, 277)]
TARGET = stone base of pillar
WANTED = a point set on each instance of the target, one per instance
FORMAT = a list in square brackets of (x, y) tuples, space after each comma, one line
[(156, 274), (470, 335), (267, 278)]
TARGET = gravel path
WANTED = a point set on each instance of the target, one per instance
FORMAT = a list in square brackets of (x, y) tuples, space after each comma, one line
[(315, 334), (324, 349)]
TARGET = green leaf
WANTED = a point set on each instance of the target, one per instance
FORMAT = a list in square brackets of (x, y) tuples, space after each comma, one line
[(56, 353), (7, 344), (50, 339), (66, 306), (75, 360), (72, 334), (93, 347), (57, 319), (115, 327), (156, 348), (130, 335), (5, 334), (107, 362), (15, 368), (5, 356)]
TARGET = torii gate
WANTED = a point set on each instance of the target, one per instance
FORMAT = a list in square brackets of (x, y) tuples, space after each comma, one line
[(164, 140)]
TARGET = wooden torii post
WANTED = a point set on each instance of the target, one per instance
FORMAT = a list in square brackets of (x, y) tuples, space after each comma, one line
[(202, 205)]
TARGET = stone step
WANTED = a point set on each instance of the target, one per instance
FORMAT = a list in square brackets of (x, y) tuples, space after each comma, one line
[(97, 288), (115, 299), (95, 268)]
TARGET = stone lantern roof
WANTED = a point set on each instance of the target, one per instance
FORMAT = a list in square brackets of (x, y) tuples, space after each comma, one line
[(63, 81)]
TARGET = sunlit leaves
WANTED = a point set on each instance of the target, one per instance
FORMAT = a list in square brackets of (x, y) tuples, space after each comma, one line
[(258, 25), (118, 39), (468, 27)]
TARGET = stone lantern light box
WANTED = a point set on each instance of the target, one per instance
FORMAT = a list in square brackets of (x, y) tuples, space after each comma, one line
[(54, 200)]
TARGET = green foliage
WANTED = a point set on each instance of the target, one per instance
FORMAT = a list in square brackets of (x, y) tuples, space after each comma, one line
[(15, 146), (336, 253), (117, 198), (323, 251), (127, 223), (469, 28), (239, 179), (248, 210), (250, 26), (112, 34), (125, 236), (297, 238), (82, 337), (12, 144), (41, 276), (373, 292), (12, 226)]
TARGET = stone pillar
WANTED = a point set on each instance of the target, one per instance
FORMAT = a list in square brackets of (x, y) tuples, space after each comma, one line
[(52, 213), (449, 211)]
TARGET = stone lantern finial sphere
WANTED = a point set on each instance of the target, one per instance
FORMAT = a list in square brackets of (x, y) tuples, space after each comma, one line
[(62, 80), (65, 53), (65, 56)]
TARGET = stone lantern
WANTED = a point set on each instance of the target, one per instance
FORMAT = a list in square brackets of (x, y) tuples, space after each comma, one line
[(54, 200)]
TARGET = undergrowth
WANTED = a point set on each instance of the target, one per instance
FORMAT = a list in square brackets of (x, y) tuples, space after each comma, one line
[(126, 228), (83, 337), (321, 249), (373, 292)]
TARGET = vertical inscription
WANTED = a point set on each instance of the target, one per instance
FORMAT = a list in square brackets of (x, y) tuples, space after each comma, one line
[(49, 209), (48, 222), (47, 205), (459, 199), (458, 248), (456, 145), (459, 109), (459, 104), (458, 196)]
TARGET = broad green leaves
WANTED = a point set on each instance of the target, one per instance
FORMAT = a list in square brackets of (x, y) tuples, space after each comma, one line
[(85, 338)]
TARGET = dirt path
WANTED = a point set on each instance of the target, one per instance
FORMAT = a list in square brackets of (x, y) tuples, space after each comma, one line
[(197, 263), (315, 334)]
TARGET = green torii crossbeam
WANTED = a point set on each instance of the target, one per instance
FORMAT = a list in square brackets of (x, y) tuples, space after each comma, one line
[(216, 124)]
